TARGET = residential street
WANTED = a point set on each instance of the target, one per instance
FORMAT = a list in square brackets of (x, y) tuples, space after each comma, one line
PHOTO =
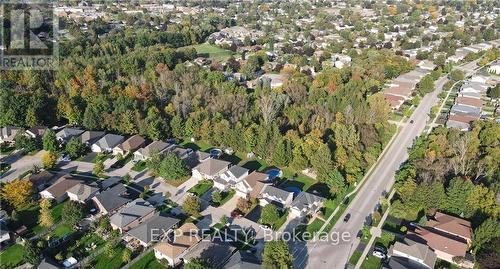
[(315, 255)]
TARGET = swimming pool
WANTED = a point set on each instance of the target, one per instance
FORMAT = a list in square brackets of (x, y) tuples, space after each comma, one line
[(295, 190), (274, 173), (215, 153)]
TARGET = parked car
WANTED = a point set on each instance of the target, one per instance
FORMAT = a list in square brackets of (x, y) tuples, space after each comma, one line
[(235, 214), (265, 227), (380, 249), (413, 224), (379, 254), (347, 217)]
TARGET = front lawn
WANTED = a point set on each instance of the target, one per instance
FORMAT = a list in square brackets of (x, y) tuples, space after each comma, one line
[(279, 222), (315, 226), (103, 261), (201, 188), (355, 257), (123, 161), (176, 182), (12, 256), (371, 262), (100, 157), (149, 261), (139, 166), (226, 196)]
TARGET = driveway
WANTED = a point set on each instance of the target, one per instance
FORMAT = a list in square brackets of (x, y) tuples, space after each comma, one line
[(231, 204), (20, 164)]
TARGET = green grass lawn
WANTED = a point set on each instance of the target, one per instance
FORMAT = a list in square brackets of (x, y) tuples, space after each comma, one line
[(176, 182), (386, 239), (279, 222), (103, 261), (100, 157), (149, 261), (301, 181), (211, 51), (12, 256), (6, 150), (226, 196), (79, 248), (371, 262), (198, 145), (201, 188), (61, 231), (315, 226), (32, 213), (355, 257), (139, 166), (123, 161), (328, 207)]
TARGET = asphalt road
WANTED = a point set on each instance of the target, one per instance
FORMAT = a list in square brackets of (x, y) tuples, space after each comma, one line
[(329, 254)]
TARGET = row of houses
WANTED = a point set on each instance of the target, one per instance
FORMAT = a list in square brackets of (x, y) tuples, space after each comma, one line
[(469, 103), (401, 88), (461, 53), (443, 237)]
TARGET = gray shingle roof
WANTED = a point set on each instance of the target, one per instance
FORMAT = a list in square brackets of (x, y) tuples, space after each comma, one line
[(91, 136), (155, 146), (132, 211), (276, 192), (212, 166), (242, 260), (214, 252), (109, 141), (238, 171), (305, 200), (466, 109), (112, 198), (157, 225), (67, 133)]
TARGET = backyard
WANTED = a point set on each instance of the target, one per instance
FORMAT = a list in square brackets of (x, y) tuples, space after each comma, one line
[(149, 261), (12, 256), (106, 261), (201, 188)]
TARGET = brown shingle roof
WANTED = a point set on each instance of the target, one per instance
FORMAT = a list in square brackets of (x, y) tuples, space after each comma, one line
[(184, 239), (462, 118), (133, 143), (450, 224), (469, 101), (63, 184), (438, 240)]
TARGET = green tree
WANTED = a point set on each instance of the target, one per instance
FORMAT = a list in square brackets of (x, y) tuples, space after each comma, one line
[(426, 85), (269, 214), (72, 212), (98, 168), (456, 196), (283, 153), (75, 148), (216, 197), (494, 92), (32, 253), (177, 126), (457, 75), (46, 219), (126, 255), (488, 230), (192, 205), (49, 159), (49, 140), (276, 255), (334, 180), (197, 263), (156, 126), (172, 167)]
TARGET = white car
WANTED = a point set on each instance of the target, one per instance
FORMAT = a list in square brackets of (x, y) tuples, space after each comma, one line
[(265, 227), (69, 262), (379, 254)]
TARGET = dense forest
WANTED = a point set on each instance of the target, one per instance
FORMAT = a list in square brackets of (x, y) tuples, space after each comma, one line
[(136, 81), (457, 173)]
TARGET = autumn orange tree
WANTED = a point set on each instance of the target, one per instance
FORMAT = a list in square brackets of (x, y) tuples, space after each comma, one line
[(18, 193)]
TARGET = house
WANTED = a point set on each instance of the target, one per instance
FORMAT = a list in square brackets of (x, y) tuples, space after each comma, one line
[(478, 79), (131, 144), (153, 229), (111, 199), (230, 177), (82, 192), (107, 143), (210, 169), (306, 204), (131, 215), (90, 137), (467, 101), (8, 133), (410, 254), (242, 260), (463, 109), (173, 250), (195, 159), (426, 65), (67, 133), (215, 252), (448, 236), (41, 180), (494, 69), (58, 190), (156, 147), (49, 264), (36, 132), (252, 185), (276, 196)]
